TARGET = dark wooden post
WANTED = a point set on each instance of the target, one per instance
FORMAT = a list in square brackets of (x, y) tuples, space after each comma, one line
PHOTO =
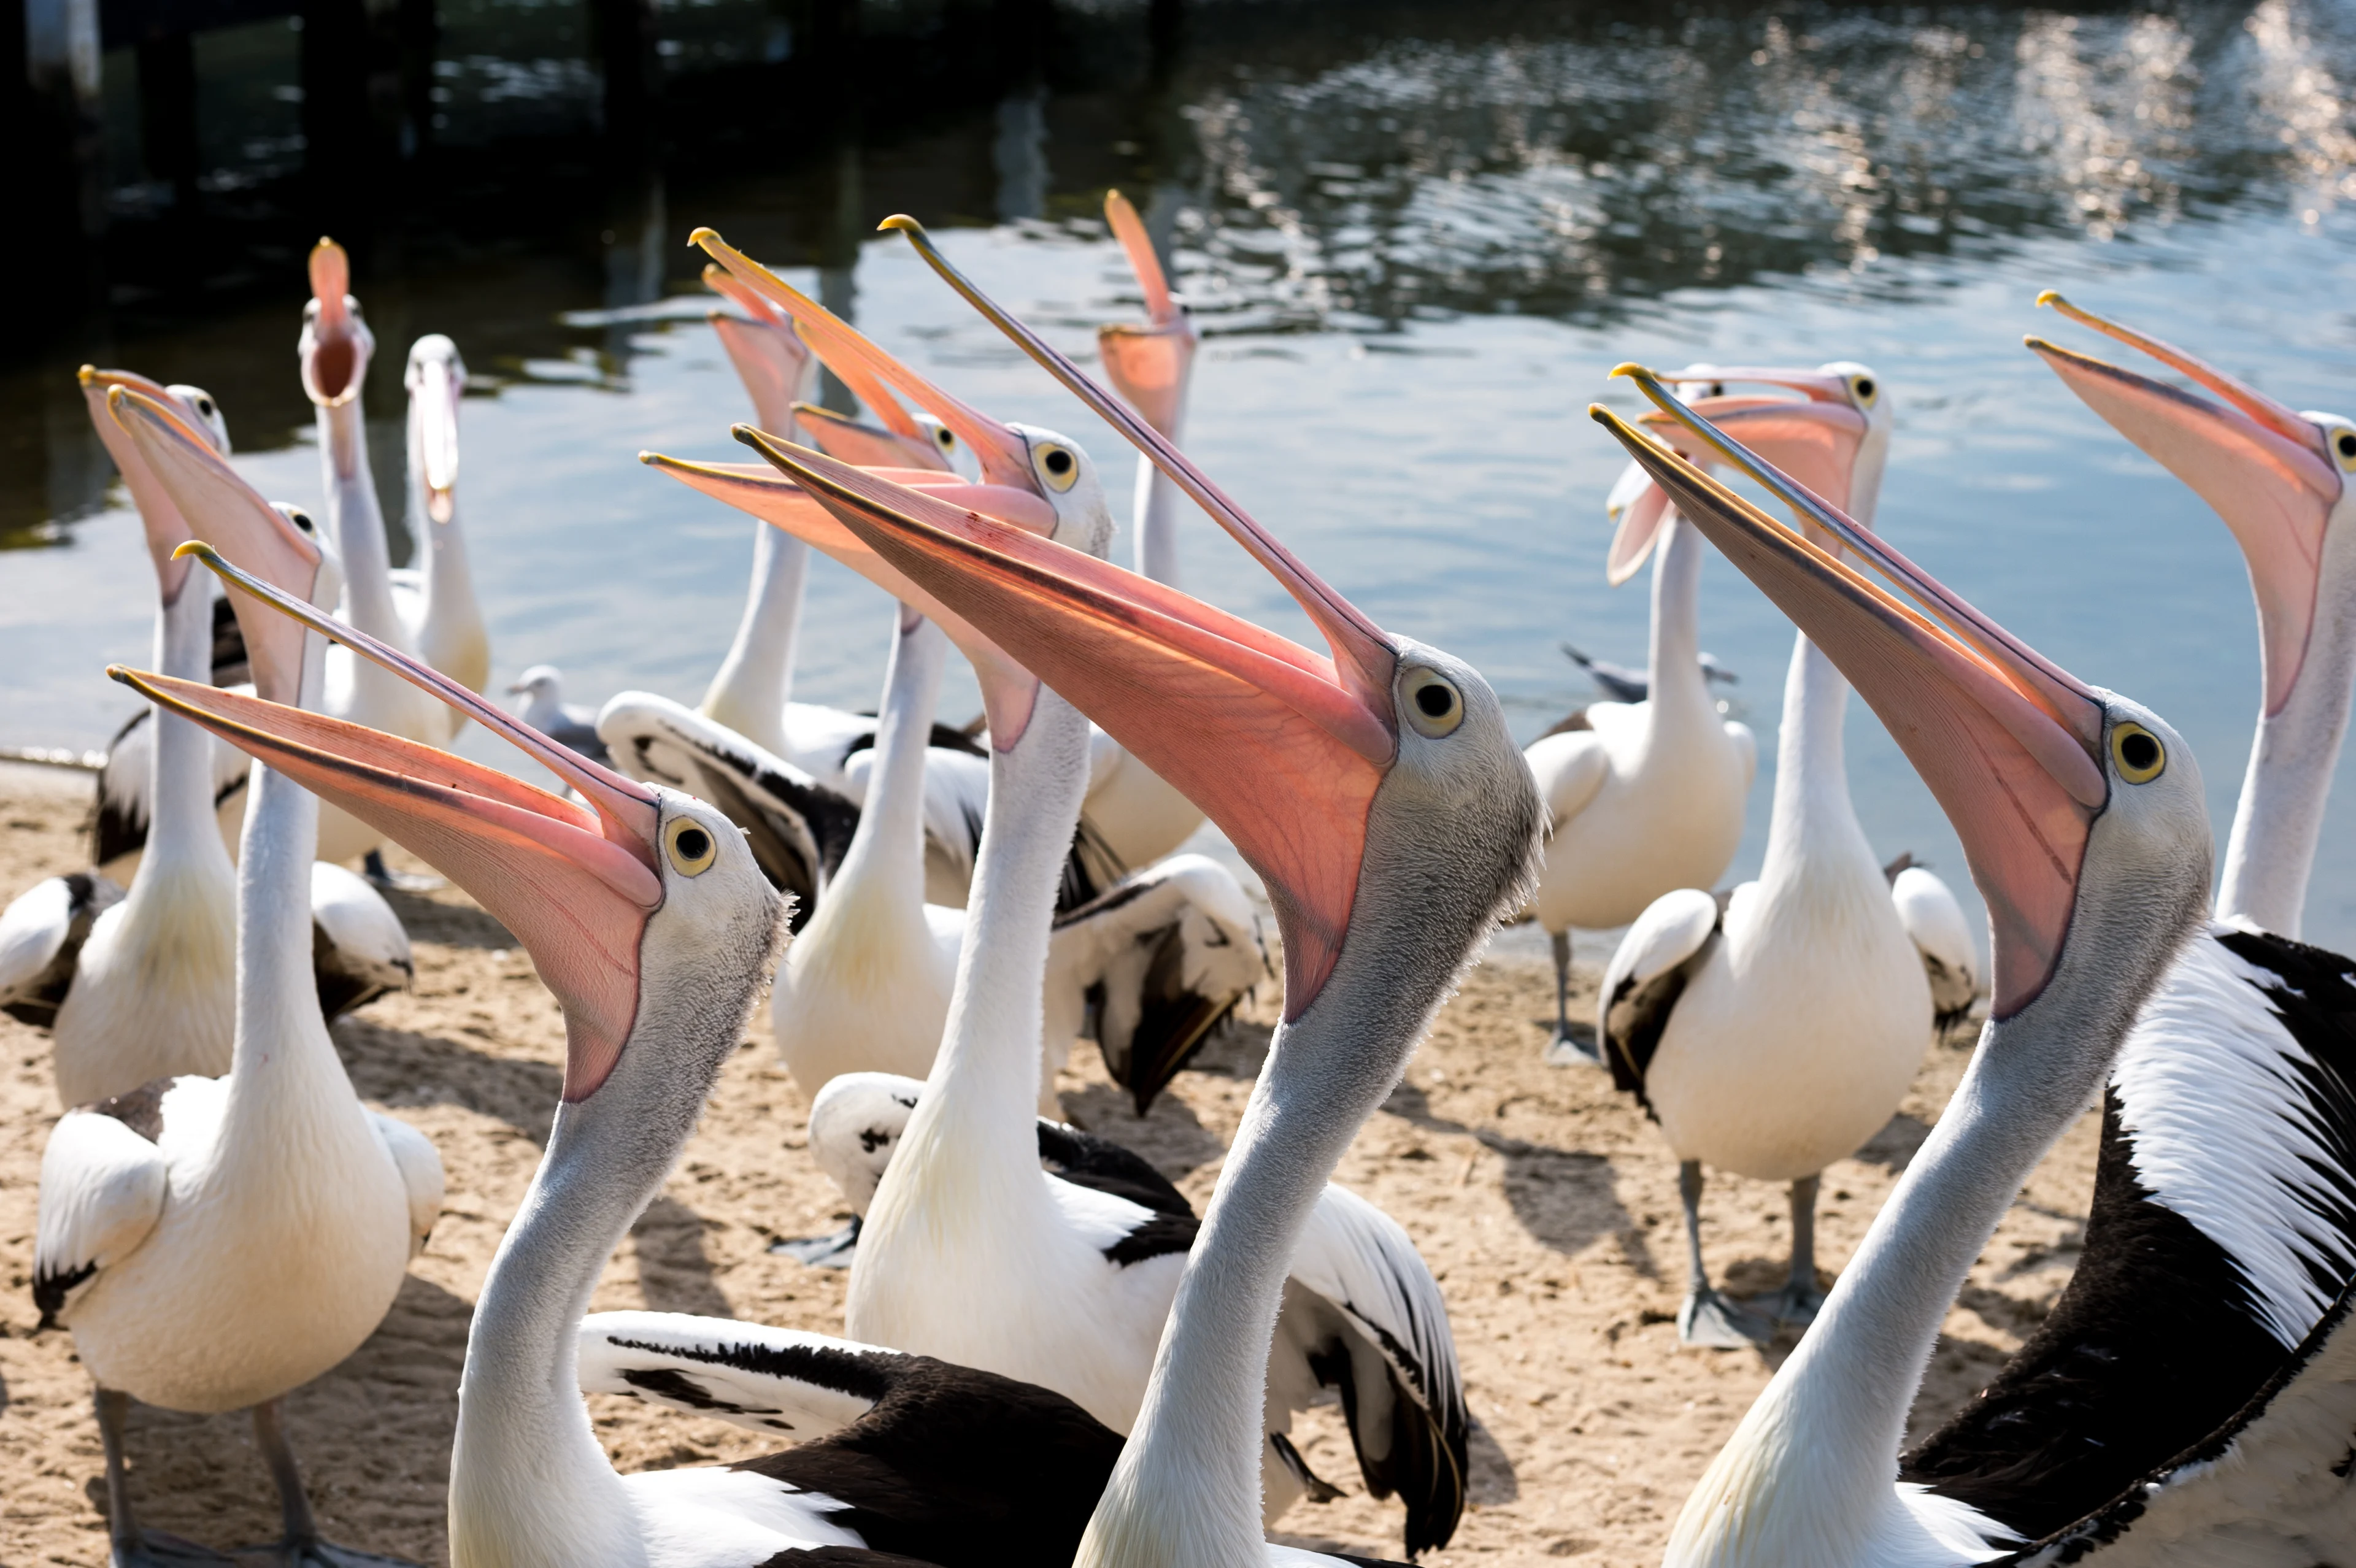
[(168, 114)]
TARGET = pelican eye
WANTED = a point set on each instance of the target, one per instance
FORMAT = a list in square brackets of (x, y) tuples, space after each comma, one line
[(2137, 752), (1865, 389), (204, 406), (689, 845), (944, 437), (2344, 443), (1434, 705), (301, 519), (1060, 467)]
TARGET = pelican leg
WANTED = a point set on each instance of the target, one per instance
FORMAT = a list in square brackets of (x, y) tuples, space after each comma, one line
[(1567, 1049), (1707, 1320), (1799, 1300), (302, 1547), (130, 1546)]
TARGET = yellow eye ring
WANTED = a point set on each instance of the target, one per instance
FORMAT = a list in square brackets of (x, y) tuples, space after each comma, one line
[(2137, 753), (1865, 388), (689, 845), (2343, 447), (1431, 702), (1058, 467)]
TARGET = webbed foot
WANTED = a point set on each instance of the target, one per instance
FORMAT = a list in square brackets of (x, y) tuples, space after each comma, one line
[(1567, 1050), (1795, 1306), (1709, 1321)]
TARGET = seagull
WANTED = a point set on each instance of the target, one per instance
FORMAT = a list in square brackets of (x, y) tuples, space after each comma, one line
[(571, 725)]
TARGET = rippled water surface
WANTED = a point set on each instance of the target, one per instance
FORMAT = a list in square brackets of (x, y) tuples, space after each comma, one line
[(1417, 238)]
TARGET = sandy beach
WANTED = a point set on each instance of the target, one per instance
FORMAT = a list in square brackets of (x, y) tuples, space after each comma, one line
[(1545, 1203)]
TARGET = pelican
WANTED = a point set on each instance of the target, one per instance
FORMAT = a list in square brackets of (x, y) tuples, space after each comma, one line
[(1077, 1282), (439, 613), (333, 353), (118, 816), (1150, 366), (1646, 798), (869, 982), (213, 1242), (2220, 1215), (1132, 819), (2081, 814), (654, 926), (143, 987), (1772, 1033)]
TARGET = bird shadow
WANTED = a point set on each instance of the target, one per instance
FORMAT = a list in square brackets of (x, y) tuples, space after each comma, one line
[(1894, 1146), (1490, 1479), (429, 919), (1565, 1199), (674, 1271), (372, 1435), (401, 1068)]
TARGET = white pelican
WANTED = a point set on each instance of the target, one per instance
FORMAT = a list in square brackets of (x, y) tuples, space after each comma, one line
[(2223, 1204), (2081, 814), (1646, 797), (1150, 366), (1077, 1281), (654, 927), (870, 982), (118, 823), (1132, 819), (334, 353), (215, 1241), (435, 600), (1773, 1034), (143, 987)]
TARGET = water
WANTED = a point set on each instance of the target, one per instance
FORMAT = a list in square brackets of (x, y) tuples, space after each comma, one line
[(1417, 237)]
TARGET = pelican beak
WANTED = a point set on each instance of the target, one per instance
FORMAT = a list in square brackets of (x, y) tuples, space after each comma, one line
[(1008, 690), (848, 440), (206, 495), (1271, 740), (166, 531), (2009, 744), (1004, 457), (772, 363), (2266, 471), (1814, 438), (436, 379), (574, 883), (1148, 365), (1364, 660), (335, 343)]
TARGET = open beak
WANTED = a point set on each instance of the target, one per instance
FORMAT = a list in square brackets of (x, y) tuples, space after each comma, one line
[(437, 381), (574, 883), (2265, 469), (335, 347), (159, 515), (1008, 690), (1148, 365), (1362, 662), (2008, 743), (1004, 458), (1271, 740), (770, 359), (1813, 438), (210, 499)]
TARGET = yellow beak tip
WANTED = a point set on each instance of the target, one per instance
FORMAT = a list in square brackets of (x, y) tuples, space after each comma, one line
[(114, 396), (196, 548), (86, 374), (903, 222), (2050, 297), (704, 238), (650, 458), (1630, 367)]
